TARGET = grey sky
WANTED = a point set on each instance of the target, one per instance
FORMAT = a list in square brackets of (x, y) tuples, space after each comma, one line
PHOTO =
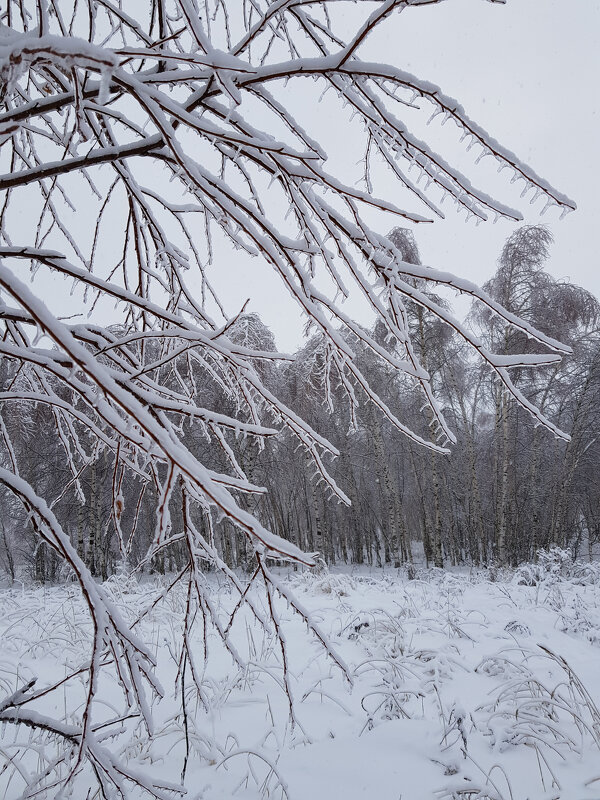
[(528, 72)]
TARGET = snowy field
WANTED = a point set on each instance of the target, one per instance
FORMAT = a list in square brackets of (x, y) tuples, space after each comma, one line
[(464, 685)]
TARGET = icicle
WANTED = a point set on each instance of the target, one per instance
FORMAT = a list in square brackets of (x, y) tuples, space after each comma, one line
[(104, 93), (436, 113), (324, 92), (549, 203), (536, 194), (565, 210), (528, 186)]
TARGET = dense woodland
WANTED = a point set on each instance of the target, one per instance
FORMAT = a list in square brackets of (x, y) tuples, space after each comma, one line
[(507, 488)]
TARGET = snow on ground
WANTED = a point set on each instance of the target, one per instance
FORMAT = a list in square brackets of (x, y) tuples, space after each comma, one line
[(463, 687)]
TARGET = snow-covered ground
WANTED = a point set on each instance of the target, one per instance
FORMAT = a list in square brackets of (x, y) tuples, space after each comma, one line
[(464, 685)]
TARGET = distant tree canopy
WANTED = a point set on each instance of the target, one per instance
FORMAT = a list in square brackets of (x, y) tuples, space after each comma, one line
[(507, 490)]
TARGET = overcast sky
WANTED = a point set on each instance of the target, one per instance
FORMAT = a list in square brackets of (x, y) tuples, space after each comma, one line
[(528, 72)]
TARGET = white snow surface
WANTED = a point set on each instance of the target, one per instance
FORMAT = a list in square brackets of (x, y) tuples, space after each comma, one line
[(465, 684)]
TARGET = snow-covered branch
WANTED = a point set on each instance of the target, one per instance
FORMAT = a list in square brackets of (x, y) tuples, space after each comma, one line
[(148, 152)]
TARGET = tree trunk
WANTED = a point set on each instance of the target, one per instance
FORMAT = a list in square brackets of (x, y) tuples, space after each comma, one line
[(438, 558), (501, 517)]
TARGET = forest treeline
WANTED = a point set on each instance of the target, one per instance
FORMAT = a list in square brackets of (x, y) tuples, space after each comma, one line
[(506, 489)]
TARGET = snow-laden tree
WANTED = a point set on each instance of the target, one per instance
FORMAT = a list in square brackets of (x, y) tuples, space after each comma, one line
[(523, 286), (137, 141)]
